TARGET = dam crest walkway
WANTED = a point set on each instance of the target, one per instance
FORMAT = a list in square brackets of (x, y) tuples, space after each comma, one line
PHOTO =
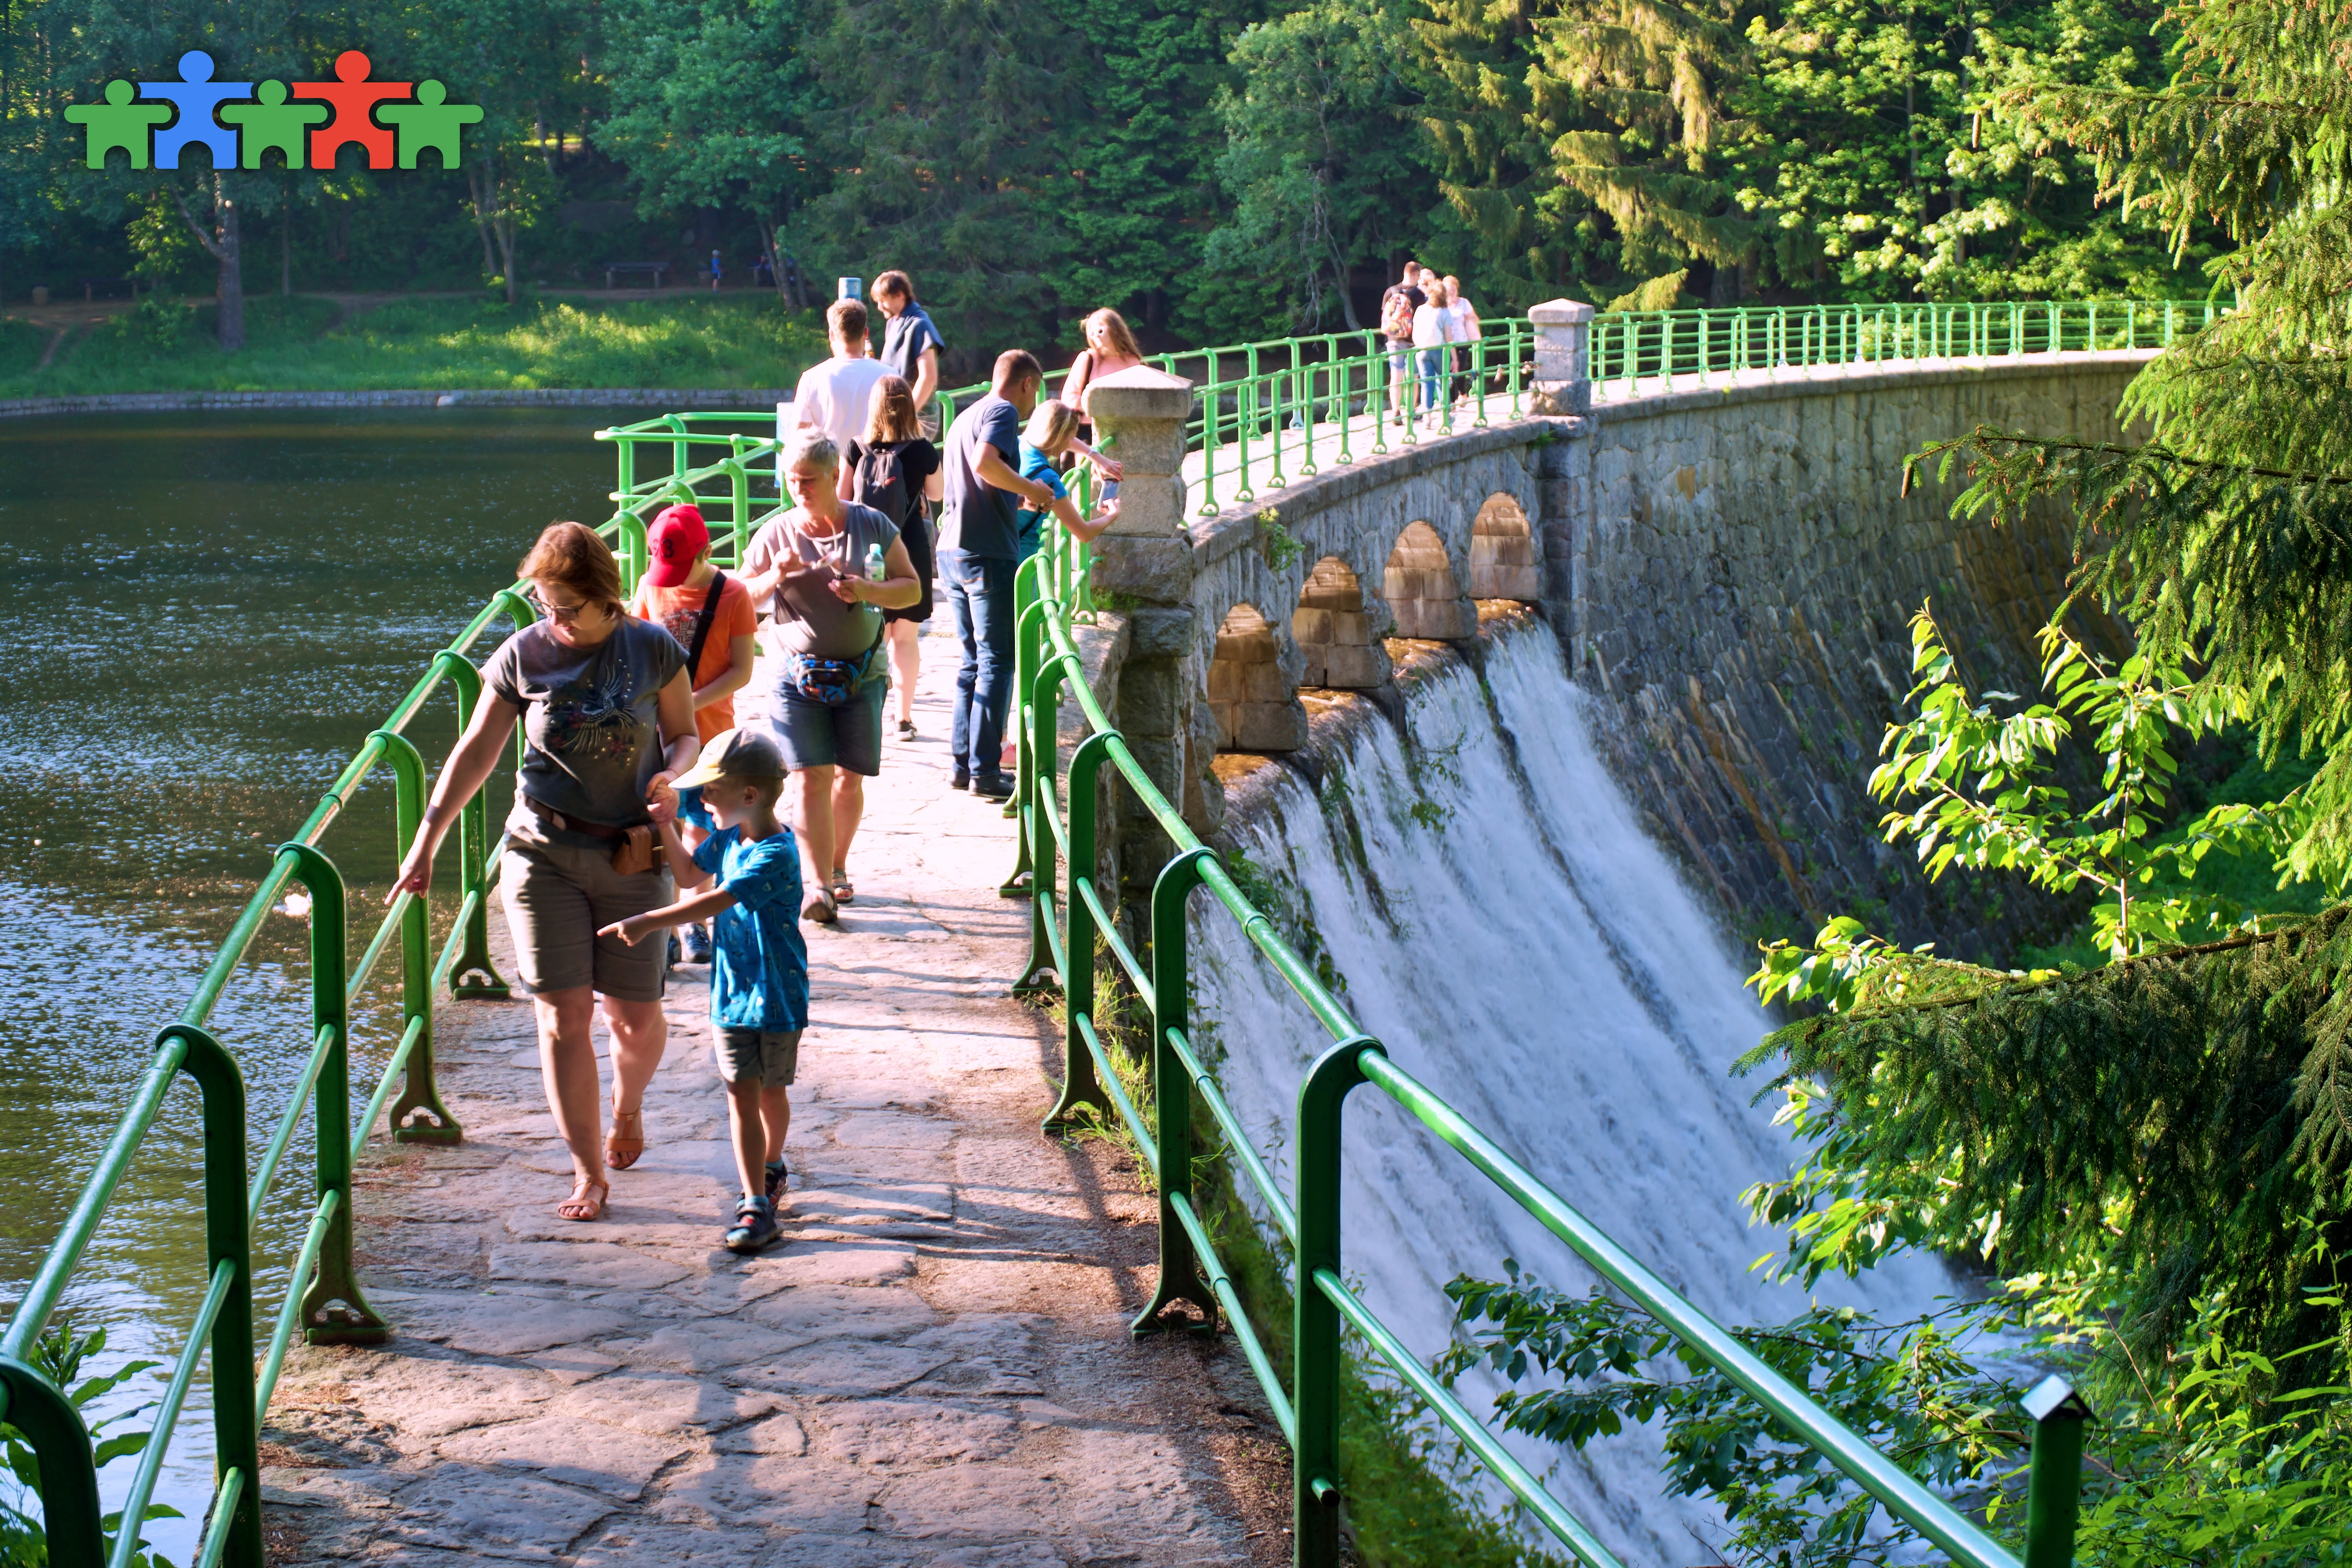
[(933, 1367)]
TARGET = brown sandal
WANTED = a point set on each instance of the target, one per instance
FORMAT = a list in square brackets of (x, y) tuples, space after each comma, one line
[(621, 1153), (579, 1200)]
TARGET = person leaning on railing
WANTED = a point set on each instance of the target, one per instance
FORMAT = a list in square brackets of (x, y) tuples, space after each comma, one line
[(1052, 430), (607, 712)]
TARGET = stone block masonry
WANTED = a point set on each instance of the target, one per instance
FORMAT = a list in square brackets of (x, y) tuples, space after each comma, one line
[(933, 1369), (1730, 567)]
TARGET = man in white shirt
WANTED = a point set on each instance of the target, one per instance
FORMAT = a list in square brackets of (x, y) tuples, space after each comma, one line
[(834, 397)]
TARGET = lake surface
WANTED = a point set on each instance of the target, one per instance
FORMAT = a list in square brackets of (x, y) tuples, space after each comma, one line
[(213, 610)]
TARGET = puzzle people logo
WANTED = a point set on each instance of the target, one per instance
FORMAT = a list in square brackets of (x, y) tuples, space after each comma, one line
[(382, 117)]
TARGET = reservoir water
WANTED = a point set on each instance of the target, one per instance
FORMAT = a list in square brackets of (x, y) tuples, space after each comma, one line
[(212, 611)]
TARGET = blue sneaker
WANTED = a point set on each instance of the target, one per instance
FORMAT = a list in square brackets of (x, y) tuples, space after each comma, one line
[(777, 1174), (755, 1226), (698, 944)]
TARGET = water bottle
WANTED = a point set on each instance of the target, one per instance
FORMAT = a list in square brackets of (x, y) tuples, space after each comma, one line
[(874, 568)]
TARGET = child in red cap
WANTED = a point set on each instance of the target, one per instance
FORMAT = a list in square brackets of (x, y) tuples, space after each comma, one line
[(710, 615)]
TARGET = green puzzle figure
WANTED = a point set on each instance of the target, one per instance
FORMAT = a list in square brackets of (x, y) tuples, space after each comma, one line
[(429, 122), (119, 122), (273, 122)]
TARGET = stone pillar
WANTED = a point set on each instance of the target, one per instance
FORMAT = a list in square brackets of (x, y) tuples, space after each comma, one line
[(1563, 356), (1143, 569)]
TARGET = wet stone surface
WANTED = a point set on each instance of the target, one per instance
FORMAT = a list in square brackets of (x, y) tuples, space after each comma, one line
[(932, 1368)]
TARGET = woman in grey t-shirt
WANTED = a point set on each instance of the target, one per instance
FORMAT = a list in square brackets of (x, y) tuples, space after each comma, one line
[(607, 713), (811, 570)]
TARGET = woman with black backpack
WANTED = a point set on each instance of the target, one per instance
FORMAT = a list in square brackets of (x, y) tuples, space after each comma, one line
[(896, 471)]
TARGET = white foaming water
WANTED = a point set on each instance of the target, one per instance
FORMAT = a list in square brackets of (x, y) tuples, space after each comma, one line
[(1538, 962)]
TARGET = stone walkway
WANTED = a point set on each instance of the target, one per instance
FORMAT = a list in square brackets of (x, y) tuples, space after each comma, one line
[(934, 1368)]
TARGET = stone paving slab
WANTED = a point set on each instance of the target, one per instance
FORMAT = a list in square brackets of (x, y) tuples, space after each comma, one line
[(932, 1369)]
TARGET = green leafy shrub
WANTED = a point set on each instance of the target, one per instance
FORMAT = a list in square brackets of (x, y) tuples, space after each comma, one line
[(57, 1355)]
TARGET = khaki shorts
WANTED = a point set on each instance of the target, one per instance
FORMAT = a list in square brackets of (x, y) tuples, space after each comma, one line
[(766, 1056), (559, 895)]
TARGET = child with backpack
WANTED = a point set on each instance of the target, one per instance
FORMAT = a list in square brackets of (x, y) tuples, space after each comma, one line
[(896, 471), (711, 617), (758, 977)]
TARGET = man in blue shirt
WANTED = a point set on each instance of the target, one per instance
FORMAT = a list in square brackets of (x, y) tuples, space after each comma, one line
[(911, 344), (979, 549), (758, 966)]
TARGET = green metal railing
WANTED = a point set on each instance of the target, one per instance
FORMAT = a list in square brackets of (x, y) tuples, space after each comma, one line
[(323, 1297), (1072, 917), (1264, 414), (1631, 347)]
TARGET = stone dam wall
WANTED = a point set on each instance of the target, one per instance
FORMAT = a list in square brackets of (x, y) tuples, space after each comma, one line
[(1731, 570)]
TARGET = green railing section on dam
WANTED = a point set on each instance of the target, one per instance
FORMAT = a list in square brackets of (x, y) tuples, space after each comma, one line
[(1265, 413), (1071, 919)]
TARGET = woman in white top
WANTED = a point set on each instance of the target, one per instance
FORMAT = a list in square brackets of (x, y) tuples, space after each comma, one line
[(1464, 317), (1433, 331)]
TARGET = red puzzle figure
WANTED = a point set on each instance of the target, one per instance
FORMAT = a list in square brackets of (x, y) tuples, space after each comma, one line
[(353, 97)]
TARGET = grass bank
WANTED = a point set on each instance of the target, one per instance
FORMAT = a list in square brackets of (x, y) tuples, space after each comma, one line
[(310, 343)]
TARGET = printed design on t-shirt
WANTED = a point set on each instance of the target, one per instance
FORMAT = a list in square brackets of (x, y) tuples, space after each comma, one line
[(679, 623), (595, 721)]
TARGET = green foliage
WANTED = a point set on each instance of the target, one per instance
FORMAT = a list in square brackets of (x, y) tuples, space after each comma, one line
[(1986, 797), (1907, 1388), (2222, 536), (2168, 1127), (1315, 151), (2200, 1476), (737, 340), (57, 1354), (708, 102), (1878, 150)]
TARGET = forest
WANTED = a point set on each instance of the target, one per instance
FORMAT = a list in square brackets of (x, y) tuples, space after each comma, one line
[(1218, 170)]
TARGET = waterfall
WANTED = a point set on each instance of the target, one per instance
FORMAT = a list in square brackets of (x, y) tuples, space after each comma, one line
[(1517, 943)]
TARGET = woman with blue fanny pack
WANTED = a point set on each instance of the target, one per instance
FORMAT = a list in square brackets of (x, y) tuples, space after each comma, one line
[(826, 570)]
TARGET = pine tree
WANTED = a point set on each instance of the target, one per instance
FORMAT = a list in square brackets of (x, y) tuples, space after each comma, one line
[(946, 134), (1524, 234), (2228, 533), (2173, 1128), (1655, 74)]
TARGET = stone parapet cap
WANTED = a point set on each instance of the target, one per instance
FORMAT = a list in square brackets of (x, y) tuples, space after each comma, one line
[(1559, 313), (1611, 404), (1139, 392), (1237, 525)]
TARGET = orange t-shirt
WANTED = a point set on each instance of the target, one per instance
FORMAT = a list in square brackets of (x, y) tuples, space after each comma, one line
[(675, 610)]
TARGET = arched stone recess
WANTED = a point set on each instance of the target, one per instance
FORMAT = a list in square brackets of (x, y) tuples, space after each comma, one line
[(1338, 637), (1423, 592), (1254, 685), (1505, 562)]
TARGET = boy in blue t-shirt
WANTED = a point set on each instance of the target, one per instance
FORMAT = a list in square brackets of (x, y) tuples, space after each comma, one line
[(759, 965)]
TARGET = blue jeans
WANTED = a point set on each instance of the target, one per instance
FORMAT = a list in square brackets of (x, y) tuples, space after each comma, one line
[(1433, 361), (979, 593)]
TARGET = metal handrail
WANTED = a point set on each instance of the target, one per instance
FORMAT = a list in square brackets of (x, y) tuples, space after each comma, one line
[(1055, 806), (1271, 411), (323, 1297)]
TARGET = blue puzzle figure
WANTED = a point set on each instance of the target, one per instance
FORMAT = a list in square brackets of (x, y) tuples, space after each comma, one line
[(273, 122), (197, 96), (429, 122), (117, 122)]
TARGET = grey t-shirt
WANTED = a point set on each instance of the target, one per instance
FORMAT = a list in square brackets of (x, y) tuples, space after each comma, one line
[(808, 618), (591, 742)]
